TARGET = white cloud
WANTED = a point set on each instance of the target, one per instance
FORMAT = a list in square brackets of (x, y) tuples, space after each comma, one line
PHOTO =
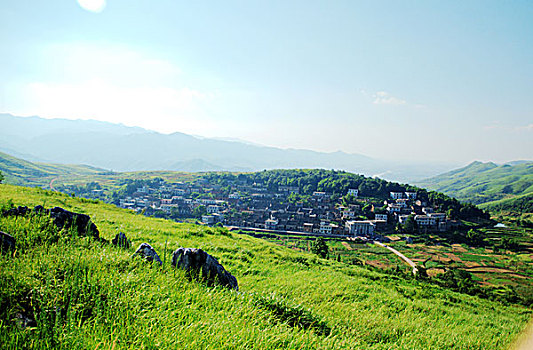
[(384, 98)]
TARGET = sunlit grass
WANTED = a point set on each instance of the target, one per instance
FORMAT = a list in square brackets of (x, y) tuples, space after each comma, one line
[(85, 294)]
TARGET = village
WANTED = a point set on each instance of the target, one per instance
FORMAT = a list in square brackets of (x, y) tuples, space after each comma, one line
[(253, 206)]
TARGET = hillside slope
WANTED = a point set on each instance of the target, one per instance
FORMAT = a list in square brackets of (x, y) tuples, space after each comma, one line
[(84, 294), (484, 182), (21, 172)]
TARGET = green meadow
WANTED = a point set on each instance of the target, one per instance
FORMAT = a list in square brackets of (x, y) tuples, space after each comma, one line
[(61, 291)]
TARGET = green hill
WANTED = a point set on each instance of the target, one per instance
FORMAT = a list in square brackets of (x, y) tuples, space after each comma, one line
[(86, 294), (21, 172), (484, 182)]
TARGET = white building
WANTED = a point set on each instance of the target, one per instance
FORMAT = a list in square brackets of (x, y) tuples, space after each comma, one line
[(396, 195), (427, 210), (206, 201), (381, 217), (234, 196), (354, 192), (439, 217), (394, 208), (271, 224), (410, 195), (212, 219), (212, 209), (208, 219), (425, 221), (325, 228), (348, 214), (402, 202), (360, 228)]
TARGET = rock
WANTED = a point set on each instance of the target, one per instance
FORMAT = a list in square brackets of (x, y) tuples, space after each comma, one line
[(61, 218), (198, 263), (146, 251), (121, 240), (64, 219), (39, 209), (24, 320), (18, 211), (7, 242)]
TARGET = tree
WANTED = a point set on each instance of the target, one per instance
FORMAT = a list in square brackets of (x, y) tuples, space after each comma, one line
[(410, 224), (474, 237), (348, 199), (199, 211), (320, 247), (1, 177)]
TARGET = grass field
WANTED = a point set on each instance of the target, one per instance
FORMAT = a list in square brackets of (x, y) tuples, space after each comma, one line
[(489, 268), (85, 294)]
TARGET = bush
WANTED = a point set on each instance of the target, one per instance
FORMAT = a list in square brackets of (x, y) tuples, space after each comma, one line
[(320, 247)]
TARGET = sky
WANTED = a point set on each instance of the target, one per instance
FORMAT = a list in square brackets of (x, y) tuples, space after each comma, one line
[(444, 81)]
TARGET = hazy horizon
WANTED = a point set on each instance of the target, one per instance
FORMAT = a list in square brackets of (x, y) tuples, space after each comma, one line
[(446, 82)]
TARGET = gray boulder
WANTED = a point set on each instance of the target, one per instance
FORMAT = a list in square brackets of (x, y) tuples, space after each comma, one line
[(121, 240), (147, 252), (199, 264), (17, 211), (64, 219), (39, 209), (7, 242), (61, 218)]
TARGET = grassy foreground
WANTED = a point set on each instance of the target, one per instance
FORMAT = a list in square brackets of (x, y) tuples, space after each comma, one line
[(84, 294)]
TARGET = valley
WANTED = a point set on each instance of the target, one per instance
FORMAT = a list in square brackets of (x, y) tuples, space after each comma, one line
[(293, 207), (85, 292)]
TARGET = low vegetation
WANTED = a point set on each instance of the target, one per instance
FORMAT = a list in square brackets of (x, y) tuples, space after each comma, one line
[(63, 291), (484, 182)]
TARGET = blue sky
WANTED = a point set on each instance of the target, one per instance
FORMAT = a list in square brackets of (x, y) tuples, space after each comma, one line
[(414, 80)]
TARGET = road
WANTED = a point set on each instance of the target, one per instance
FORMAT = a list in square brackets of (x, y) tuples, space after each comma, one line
[(52, 183), (403, 257)]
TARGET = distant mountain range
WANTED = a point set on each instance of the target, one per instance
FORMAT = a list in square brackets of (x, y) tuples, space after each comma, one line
[(121, 148), (485, 182)]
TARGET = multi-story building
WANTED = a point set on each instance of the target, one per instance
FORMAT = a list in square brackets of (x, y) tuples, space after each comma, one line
[(360, 228)]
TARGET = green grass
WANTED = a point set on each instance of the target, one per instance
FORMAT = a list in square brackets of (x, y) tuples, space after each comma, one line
[(484, 182), (21, 172), (85, 294)]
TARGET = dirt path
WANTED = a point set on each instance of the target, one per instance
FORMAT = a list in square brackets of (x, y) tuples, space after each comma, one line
[(347, 245), (403, 257), (52, 184)]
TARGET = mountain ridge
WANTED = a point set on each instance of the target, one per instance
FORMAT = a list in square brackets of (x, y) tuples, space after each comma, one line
[(480, 182), (123, 148)]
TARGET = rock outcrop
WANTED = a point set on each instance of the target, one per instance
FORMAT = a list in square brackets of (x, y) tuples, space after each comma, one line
[(65, 219), (7, 242), (201, 265), (61, 218), (121, 240), (147, 252), (17, 211)]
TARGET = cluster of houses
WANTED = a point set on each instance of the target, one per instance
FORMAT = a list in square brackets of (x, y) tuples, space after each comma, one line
[(254, 206)]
